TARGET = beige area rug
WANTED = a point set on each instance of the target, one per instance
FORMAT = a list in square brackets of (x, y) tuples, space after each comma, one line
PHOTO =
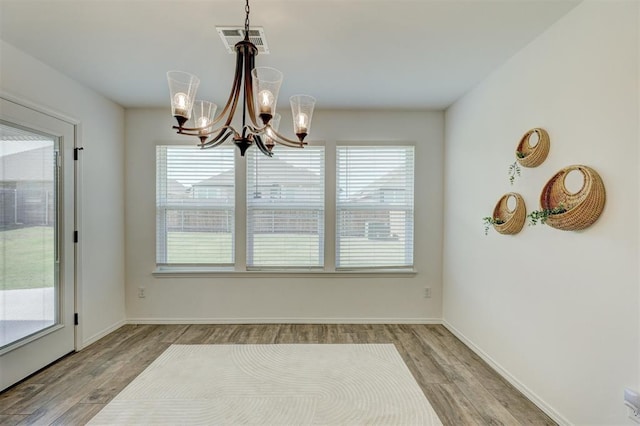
[(273, 385)]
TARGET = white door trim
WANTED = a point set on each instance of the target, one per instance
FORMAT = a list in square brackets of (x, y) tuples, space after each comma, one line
[(64, 337)]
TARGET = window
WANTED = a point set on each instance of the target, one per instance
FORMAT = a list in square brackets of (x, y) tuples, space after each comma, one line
[(281, 215), (285, 208), (195, 206), (374, 207)]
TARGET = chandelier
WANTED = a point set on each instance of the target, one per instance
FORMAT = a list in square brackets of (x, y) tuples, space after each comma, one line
[(259, 87)]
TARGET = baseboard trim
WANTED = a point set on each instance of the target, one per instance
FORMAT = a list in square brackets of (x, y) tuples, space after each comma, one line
[(102, 334), (284, 321), (533, 397)]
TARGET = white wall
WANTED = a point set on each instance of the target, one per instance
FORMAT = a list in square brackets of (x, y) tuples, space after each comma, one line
[(556, 311), (101, 279), (294, 298)]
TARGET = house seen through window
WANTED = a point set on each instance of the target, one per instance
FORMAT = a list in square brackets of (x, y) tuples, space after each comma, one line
[(283, 210), (374, 206), (195, 201)]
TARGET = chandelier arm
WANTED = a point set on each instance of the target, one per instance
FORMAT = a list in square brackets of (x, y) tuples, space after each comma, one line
[(233, 98), (284, 141), (217, 141), (180, 129), (262, 147), (257, 130), (198, 131), (189, 130), (279, 139), (244, 93), (248, 87), (233, 95), (227, 128), (224, 133)]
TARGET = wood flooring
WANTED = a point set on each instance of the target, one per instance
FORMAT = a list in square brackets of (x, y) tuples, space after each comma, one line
[(461, 387)]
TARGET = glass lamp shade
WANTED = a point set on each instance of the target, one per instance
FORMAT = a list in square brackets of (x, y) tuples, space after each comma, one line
[(182, 90), (269, 136), (302, 112), (203, 114), (266, 85)]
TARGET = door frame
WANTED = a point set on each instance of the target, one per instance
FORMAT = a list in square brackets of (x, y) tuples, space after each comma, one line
[(76, 210)]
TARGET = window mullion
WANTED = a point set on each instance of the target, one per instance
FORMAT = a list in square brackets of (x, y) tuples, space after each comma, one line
[(331, 236), (240, 241)]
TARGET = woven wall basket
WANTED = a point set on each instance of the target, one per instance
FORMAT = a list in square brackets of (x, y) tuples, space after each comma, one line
[(513, 219), (533, 155), (583, 208)]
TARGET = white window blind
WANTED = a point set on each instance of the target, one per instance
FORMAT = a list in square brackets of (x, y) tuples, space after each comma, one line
[(195, 206), (285, 208), (374, 207)]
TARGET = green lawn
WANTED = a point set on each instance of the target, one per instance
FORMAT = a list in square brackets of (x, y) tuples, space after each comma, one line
[(294, 249), (27, 258), (199, 247), (211, 247)]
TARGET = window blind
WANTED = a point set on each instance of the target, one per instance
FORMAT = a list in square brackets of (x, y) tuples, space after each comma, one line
[(195, 206), (285, 208), (374, 207)]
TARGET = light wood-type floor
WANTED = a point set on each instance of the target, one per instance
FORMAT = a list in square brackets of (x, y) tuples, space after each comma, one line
[(461, 387)]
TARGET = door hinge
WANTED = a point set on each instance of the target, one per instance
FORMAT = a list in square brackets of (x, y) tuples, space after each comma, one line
[(75, 236), (75, 152), (76, 321)]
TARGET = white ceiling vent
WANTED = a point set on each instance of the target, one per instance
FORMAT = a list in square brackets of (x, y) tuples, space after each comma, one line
[(231, 35)]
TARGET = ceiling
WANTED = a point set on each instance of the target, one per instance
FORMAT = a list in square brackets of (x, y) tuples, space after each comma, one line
[(365, 54)]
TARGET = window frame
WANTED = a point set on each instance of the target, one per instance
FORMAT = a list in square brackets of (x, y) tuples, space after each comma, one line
[(336, 210), (240, 269), (165, 205), (251, 266)]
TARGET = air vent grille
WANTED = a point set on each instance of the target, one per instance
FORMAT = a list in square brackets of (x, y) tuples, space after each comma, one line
[(231, 35)]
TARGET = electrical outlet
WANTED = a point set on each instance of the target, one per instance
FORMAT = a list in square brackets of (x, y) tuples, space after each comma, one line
[(141, 293), (427, 292)]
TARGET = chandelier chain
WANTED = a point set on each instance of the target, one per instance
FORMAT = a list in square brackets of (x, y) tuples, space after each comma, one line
[(246, 20)]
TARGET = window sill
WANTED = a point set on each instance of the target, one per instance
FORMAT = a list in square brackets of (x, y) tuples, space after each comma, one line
[(176, 272)]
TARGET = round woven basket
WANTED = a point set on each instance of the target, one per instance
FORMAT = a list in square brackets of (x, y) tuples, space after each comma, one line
[(533, 155), (513, 219), (583, 208)]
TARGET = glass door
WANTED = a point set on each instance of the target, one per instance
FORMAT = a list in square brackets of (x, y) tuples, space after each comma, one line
[(29, 280), (36, 247)]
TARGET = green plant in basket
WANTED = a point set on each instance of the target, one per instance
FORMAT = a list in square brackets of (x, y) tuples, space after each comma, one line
[(544, 214), (514, 169), (489, 222)]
